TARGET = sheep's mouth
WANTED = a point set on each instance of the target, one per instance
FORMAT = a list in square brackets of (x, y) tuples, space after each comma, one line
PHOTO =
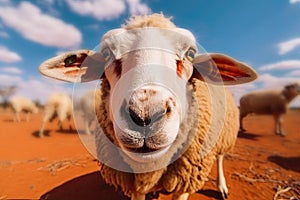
[(145, 154), (138, 143), (143, 149)]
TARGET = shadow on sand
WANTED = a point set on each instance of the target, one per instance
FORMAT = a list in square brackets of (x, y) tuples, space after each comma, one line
[(47, 132), (247, 135), (37, 133), (90, 186), (289, 163), (8, 120), (211, 193), (67, 131)]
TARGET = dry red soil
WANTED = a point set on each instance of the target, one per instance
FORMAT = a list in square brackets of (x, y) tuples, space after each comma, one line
[(262, 166)]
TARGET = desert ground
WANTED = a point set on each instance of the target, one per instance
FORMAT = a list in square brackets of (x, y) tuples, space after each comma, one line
[(262, 165)]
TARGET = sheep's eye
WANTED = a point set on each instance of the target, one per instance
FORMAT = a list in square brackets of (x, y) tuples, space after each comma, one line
[(70, 60), (106, 53), (190, 54)]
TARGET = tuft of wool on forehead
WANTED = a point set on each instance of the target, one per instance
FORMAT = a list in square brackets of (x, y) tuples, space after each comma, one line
[(154, 20)]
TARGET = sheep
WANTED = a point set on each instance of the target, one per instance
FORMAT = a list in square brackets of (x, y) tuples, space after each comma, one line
[(22, 104), (58, 105), (269, 102), (164, 115), (86, 106)]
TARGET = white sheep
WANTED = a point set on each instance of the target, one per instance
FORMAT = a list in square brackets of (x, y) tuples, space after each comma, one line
[(58, 105), (22, 104), (87, 108), (163, 121), (269, 102)]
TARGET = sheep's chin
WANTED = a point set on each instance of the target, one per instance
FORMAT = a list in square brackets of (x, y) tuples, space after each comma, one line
[(146, 157)]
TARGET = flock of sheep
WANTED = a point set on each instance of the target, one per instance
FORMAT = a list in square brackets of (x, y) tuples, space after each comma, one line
[(152, 124), (58, 106)]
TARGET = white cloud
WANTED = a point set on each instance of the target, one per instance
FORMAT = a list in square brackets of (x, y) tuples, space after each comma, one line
[(136, 7), (12, 70), (8, 56), (268, 81), (294, 1), (107, 10), (40, 88), (99, 9), (283, 65), (293, 73), (288, 46), (9, 79), (32, 24)]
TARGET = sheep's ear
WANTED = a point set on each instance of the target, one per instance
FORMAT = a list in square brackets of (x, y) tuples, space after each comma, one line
[(76, 66), (222, 69)]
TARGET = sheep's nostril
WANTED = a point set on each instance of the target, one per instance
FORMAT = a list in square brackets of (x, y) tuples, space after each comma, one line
[(146, 121), (139, 120), (168, 110)]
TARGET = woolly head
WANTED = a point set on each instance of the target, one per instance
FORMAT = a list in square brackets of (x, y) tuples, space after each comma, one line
[(148, 64), (293, 88)]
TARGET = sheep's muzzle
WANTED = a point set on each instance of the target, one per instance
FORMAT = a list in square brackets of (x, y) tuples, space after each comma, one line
[(148, 120)]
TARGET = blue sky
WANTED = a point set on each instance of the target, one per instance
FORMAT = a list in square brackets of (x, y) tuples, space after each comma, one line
[(264, 34)]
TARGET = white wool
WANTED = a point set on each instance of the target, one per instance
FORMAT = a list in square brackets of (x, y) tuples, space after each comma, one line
[(58, 104)]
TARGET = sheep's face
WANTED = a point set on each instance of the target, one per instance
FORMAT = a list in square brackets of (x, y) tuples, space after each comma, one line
[(148, 77), (294, 89)]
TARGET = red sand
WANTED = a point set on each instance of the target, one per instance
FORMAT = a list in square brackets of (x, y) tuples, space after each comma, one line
[(59, 167)]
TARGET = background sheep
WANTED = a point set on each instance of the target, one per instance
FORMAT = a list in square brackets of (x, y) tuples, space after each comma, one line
[(148, 124), (58, 105), (21, 104), (87, 108), (269, 102)]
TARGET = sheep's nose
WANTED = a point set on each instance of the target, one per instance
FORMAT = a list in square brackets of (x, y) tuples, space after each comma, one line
[(146, 120), (139, 120)]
